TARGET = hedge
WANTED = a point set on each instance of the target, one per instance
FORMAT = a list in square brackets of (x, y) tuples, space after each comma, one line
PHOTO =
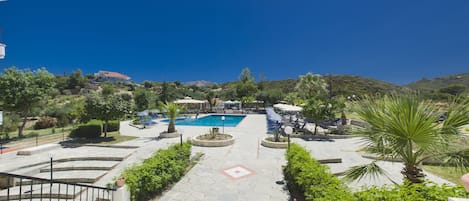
[(312, 180), (112, 126), (156, 173), (424, 191), (92, 129)]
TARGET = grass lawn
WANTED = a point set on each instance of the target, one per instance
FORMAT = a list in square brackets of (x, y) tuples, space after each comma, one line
[(30, 133), (44, 136), (449, 173), (112, 138)]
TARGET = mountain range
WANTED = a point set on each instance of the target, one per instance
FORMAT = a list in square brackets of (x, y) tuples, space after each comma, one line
[(351, 84)]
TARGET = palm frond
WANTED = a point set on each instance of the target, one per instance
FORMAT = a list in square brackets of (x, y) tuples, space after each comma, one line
[(458, 159), (356, 173), (457, 116)]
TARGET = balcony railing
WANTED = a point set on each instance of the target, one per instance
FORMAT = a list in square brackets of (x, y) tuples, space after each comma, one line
[(20, 187)]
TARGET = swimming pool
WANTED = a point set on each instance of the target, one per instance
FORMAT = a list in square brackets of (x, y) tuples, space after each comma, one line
[(210, 120)]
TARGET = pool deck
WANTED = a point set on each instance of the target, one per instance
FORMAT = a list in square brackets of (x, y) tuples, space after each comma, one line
[(242, 171)]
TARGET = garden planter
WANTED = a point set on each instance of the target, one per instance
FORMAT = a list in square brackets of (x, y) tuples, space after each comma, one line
[(212, 143), (169, 135), (275, 145)]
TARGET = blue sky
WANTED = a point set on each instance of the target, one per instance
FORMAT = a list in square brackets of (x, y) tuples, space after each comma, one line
[(396, 41)]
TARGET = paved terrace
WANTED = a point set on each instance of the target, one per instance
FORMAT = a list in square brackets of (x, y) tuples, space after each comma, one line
[(243, 171)]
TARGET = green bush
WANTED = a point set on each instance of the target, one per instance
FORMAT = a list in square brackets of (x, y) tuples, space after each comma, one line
[(156, 173), (309, 178), (92, 129), (113, 125), (45, 122), (424, 191)]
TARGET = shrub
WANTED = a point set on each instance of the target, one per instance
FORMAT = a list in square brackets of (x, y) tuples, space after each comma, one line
[(45, 122), (424, 191), (113, 125), (92, 129), (157, 172), (308, 177)]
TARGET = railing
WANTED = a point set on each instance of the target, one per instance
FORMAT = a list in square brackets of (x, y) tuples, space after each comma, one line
[(20, 187)]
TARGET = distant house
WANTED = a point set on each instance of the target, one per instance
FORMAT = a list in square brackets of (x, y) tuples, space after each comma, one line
[(103, 76)]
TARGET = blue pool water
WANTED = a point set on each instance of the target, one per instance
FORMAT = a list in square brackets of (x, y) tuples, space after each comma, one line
[(210, 120)]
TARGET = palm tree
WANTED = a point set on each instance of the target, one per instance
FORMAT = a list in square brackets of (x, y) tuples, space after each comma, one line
[(404, 127), (171, 110), (311, 85)]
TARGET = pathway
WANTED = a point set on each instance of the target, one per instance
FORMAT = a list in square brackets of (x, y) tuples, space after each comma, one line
[(346, 149), (243, 171)]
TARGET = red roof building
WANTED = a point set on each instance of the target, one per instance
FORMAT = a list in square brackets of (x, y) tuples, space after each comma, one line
[(111, 76)]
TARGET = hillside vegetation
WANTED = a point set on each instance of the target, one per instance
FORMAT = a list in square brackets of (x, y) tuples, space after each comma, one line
[(441, 82), (342, 85)]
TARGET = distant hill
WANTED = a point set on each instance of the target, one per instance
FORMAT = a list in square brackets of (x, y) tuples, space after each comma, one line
[(345, 85), (440, 82), (200, 83)]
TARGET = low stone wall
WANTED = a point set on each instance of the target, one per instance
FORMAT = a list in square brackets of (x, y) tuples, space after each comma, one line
[(212, 143), (275, 145), (38, 149), (314, 137), (169, 135)]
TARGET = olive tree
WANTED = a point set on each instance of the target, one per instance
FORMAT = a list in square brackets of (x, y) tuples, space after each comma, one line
[(22, 90), (106, 108)]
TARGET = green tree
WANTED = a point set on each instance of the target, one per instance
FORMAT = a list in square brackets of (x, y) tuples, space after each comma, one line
[(126, 97), (403, 127), (246, 75), (142, 99), (339, 105), (318, 110), (106, 108), (167, 92), (453, 89), (172, 111), (76, 80), (211, 98), (107, 89), (246, 85), (61, 83), (147, 84), (311, 85), (22, 90), (246, 100), (270, 96)]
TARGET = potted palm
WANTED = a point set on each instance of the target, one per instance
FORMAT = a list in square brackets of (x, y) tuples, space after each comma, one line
[(171, 110), (277, 141)]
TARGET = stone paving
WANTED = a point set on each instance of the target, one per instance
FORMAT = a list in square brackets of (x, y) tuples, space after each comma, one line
[(258, 168), (346, 149), (243, 171)]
